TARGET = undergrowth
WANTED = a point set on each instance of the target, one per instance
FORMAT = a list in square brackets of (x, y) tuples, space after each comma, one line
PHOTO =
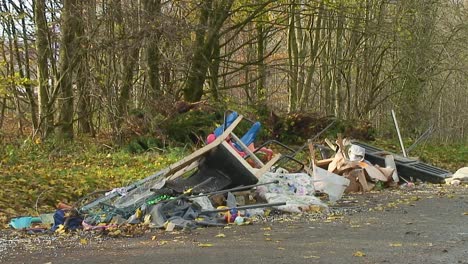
[(34, 177)]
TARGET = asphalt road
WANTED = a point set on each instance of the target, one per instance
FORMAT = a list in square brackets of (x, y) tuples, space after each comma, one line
[(424, 227)]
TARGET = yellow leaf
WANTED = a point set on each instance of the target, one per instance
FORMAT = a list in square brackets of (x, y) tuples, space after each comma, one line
[(396, 244), (153, 238), (115, 233), (267, 239), (465, 213), (266, 228), (83, 241), (267, 234), (310, 257), (335, 217), (147, 219), (281, 248), (220, 235), (205, 245), (60, 230), (359, 254)]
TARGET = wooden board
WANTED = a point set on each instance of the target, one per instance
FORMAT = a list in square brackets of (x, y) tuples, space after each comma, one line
[(199, 153), (324, 163), (267, 166), (373, 172), (390, 163)]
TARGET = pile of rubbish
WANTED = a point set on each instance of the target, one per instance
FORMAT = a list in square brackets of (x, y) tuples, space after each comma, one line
[(230, 180)]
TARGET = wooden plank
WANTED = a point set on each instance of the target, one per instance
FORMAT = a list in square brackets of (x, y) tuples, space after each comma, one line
[(237, 156), (390, 163), (247, 150), (324, 162), (362, 179), (267, 166), (199, 153), (373, 172), (330, 144), (342, 149), (311, 153), (181, 172)]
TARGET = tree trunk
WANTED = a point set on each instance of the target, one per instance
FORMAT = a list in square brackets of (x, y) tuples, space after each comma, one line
[(27, 72), (261, 69), (82, 82), (213, 13), (46, 118), (152, 10), (337, 75), (293, 54), (214, 71), (68, 50)]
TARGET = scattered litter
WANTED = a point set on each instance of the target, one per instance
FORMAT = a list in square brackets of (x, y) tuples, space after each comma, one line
[(224, 184), (359, 254), (460, 176)]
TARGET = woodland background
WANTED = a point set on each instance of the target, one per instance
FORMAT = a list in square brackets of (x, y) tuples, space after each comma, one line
[(79, 80), (74, 67)]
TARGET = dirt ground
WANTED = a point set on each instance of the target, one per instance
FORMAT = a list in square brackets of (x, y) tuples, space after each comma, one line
[(428, 224)]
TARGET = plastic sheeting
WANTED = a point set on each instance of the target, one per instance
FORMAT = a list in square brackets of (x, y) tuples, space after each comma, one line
[(329, 183), (296, 189)]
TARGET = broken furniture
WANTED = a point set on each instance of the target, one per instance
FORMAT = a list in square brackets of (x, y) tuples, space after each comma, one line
[(217, 164)]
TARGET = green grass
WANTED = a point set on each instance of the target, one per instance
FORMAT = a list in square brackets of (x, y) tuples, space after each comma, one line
[(447, 156), (44, 174)]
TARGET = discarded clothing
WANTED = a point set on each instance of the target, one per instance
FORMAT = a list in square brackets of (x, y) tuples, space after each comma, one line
[(72, 222)]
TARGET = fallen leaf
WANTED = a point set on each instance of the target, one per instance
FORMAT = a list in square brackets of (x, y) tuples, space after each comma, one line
[(147, 219), (115, 233), (465, 213), (281, 248), (266, 228), (83, 241), (311, 257), (267, 239), (153, 238), (396, 244), (359, 254), (267, 234), (60, 230), (220, 235), (205, 245), (335, 217)]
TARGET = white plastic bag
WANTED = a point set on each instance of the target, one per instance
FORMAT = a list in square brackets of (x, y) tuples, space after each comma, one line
[(329, 183)]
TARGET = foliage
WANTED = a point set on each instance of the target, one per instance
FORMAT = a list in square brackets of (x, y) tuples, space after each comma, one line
[(448, 156), (191, 126), (43, 174)]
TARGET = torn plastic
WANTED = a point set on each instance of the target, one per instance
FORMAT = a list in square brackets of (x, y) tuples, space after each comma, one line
[(356, 153), (329, 183), (296, 189)]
